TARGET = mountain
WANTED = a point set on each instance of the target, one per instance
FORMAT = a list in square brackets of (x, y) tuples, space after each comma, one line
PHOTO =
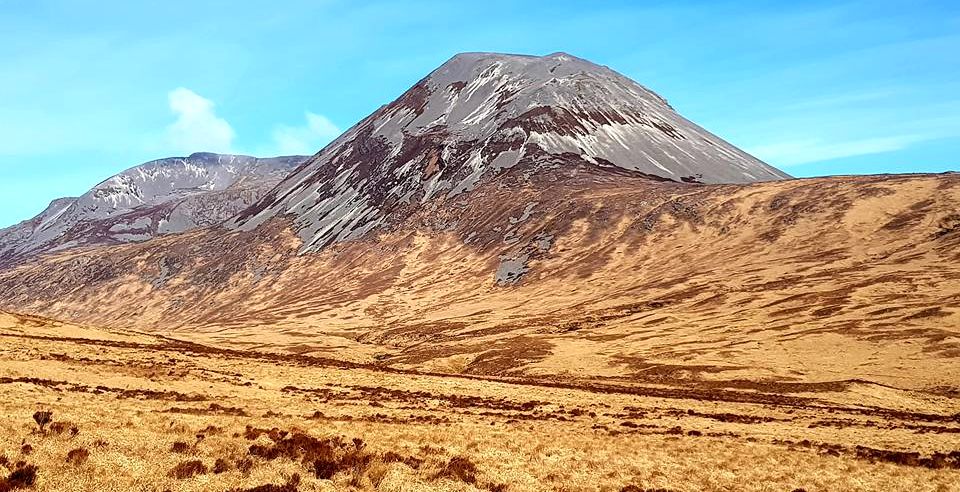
[(164, 196), (581, 273), (481, 114), (459, 229)]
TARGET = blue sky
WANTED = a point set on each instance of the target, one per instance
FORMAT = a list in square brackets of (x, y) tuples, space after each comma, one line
[(90, 88)]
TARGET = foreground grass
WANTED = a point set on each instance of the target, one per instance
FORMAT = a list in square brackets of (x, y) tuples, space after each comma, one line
[(133, 414), (132, 450)]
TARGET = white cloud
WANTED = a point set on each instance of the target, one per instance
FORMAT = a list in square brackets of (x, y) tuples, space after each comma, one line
[(307, 139), (198, 128), (815, 150)]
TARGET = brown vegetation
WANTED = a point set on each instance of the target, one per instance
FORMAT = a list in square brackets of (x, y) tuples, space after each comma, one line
[(459, 468), (22, 477), (42, 418), (313, 426), (64, 427), (188, 469), (180, 447), (78, 456)]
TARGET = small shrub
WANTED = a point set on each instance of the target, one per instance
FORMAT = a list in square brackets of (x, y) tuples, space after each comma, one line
[(188, 469), (394, 457), (64, 427), (42, 418), (298, 446), (100, 443), (221, 466), (244, 465), (78, 456), (211, 430), (356, 460), (180, 447), (26, 449), (23, 477), (459, 468), (325, 469)]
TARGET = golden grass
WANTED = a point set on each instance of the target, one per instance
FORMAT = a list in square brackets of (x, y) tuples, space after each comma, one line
[(132, 403)]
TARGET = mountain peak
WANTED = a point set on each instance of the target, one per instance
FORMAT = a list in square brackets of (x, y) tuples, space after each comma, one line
[(473, 56), (481, 114), (466, 66)]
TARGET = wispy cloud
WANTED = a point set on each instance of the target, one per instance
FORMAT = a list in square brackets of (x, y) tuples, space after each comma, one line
[(197, 128), (306, 139), (816, 150)]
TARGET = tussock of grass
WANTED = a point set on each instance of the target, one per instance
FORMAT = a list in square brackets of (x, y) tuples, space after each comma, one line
[(78, 456), (459, 468), (188, 469), (180, 447), (24, 476), (64, 427), (221, 466)]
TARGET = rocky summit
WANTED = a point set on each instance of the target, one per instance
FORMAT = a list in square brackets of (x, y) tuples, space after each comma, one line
[(480, 115)]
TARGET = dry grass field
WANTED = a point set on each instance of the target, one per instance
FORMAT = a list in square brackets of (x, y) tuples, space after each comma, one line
[(133, 411)]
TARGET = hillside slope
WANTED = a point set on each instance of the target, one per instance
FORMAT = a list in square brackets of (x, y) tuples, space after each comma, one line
[(581, 273)]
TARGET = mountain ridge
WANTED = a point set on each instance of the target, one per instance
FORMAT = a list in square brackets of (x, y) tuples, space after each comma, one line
[(162, 196)]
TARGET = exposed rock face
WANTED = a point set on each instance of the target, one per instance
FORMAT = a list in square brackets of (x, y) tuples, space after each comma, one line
[(480, 114), (165, 196)]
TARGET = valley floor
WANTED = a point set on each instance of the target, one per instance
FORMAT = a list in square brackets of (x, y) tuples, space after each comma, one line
[(139, 412)]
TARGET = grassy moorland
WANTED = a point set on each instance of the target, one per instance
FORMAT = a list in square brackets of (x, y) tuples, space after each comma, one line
[(129, 411)]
